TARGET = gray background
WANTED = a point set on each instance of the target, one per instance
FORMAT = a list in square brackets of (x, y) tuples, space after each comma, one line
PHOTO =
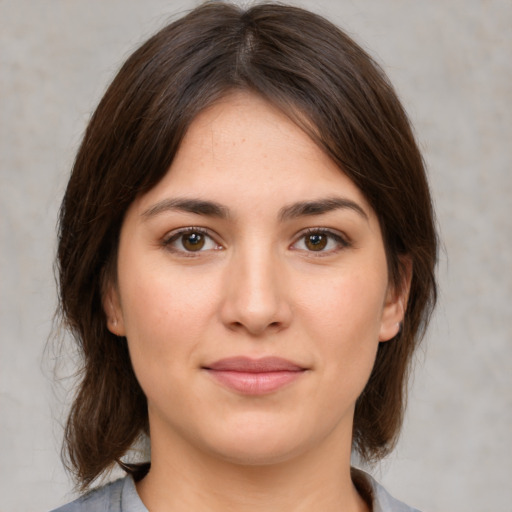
[(451, 63)]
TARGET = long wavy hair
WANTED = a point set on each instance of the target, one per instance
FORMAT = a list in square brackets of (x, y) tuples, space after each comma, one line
[(324, 82)]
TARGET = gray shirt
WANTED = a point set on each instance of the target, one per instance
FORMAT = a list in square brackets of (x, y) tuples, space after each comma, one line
[(121, 496)]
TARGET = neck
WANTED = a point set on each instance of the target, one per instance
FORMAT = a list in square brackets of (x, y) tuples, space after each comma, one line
[(185, 480)]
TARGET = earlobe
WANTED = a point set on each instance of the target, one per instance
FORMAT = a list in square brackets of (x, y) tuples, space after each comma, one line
[(395, 306), (390, 328), (112, 309)]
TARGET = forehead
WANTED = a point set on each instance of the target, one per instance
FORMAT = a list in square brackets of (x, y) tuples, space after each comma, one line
[(245, 134), (246, 153), (243, 122)]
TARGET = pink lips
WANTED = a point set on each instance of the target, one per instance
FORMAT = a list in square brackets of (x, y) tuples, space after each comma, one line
[(254, 376)]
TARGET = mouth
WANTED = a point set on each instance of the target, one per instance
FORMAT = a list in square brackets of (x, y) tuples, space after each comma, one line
[(254, 376)]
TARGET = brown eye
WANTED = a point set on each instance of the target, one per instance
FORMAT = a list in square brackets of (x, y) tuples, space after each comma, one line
[(190, 242), (193, 241), (316, 241), (321, 242)]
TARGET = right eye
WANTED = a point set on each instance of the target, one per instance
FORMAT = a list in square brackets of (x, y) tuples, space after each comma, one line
[(190, 240)]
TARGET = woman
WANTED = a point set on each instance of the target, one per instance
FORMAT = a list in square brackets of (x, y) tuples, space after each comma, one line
[(246, 261)]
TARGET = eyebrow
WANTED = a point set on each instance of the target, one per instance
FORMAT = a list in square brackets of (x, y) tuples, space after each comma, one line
[(198, 206), (320, 206), (292, 211)]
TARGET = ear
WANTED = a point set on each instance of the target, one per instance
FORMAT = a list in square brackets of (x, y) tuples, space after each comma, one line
[(112, 308), (396, 303)]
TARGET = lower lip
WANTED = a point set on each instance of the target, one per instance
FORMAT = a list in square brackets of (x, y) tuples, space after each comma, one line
[(249, 383)]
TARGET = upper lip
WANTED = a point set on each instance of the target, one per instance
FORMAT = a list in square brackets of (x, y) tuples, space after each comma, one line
[(250, 365)]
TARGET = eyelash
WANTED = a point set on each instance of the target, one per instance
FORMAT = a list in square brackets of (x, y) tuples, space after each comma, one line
[(341, 241), (174, 236)]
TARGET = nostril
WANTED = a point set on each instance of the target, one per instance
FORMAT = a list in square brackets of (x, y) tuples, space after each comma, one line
[(273, 326)]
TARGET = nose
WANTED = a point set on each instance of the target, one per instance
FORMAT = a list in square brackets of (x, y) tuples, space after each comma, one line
[(255, 296)]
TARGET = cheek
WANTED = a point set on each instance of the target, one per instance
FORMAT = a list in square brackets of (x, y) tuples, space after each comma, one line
[(164, 313), (343, 317), (350, 303)]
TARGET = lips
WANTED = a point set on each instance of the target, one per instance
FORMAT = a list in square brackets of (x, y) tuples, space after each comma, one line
[(254, 376)]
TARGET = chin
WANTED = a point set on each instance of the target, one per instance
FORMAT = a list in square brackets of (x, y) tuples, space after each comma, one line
[(257, 453), (258, 443)]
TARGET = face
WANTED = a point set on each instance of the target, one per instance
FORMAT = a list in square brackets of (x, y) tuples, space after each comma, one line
[(252, 288)]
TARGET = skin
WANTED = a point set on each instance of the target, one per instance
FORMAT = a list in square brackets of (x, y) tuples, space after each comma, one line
[(256, 288)]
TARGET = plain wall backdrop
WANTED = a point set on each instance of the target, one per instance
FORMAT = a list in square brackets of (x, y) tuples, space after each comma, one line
[(450, 61)]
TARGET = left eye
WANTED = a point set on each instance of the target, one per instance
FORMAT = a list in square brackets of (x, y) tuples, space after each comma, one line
[(320, 241), (192, 240)]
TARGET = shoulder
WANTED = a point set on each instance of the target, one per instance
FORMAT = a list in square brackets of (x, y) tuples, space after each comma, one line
[(118, 496), (382, 501)]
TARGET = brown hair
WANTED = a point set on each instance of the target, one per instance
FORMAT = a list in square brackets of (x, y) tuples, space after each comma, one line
[(325, 82)]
